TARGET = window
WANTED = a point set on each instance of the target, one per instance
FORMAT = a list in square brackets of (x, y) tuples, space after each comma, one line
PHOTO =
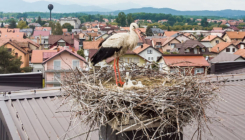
[(227, 49), (9, 50), (136, 60), (57, 64), (16, 55), (199, 70), (149, 51), (151, 58), (56, 76), (203, 50), (233, 49), (172, 45), (187, 50), (168, 50), (75, 64), (217, 41)]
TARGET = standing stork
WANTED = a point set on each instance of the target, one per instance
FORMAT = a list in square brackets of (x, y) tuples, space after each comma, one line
[(116, 46)]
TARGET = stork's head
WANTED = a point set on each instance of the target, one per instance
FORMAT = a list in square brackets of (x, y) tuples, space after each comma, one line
[(135, 28)]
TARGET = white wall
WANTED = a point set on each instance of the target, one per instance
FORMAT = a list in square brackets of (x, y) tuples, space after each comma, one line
[(231, 47), (154, 54), (163, 66)]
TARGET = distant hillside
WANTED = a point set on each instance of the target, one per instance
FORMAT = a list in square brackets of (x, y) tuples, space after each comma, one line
[(222, 13)]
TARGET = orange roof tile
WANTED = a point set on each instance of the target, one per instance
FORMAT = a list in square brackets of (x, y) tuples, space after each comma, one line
[(240, 52), (37, 55), (235, 42), (209, 38), (183, 61), (170, 33), (87, 45), (65, 30), (217, 28), (236, 35), (221, 46), (140, 49), (142, 30)]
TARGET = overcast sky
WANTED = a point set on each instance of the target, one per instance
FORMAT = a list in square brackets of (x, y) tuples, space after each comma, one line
[(174, 4)]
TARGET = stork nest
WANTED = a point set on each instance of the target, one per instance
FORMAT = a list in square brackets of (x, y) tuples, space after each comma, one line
[(170, 100)]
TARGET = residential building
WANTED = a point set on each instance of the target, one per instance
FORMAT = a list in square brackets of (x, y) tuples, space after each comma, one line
[(191, 36), (191, 47), (90, 45), (172, 63), (64, 40), (240, 52), (59, 64), (129, 57), (224, 47), (166, 44), (28, 32), (34, 24), (213, 40), (41, 37), (217, 31), (148, 52), (17, 50), (44, 29), (229, 36), (181, 37), (196, 32), (11, 33), (226, 57), (170, 33), (157, 31), (75, 22), (38, 58)]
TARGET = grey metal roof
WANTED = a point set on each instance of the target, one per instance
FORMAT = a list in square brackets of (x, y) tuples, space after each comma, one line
[(39, 117), (224, 57), (231, 114), (207, 44)]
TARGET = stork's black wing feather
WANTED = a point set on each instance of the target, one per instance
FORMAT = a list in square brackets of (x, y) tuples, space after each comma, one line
[(104, 53)]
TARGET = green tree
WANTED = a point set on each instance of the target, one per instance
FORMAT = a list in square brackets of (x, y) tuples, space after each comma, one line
[(81, 52), (169, 28), (149, 31), (68, 26), (82, 19), (130, 19), (22, 25), (12, 24), (84, 28), (204, 22), (121, 19), (2, 25), (201, 37), (39, 20), (52, 25), (8, 62), (58, 29), (101, 18)]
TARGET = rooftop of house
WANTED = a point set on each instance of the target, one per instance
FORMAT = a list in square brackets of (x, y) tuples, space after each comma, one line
[(190, 44), (41, 33), (225, 57), (38, 55), (64, 30), (185, 60), (240, 52), (55, 38), (12, 35), (170, 33), (220, 47), (87, 45), (60, 52), (43, 28), (210, 38), (141, 48), (236, 35), (40, 116)]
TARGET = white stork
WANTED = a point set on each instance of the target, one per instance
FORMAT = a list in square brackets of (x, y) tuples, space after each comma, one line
[(116, 46)]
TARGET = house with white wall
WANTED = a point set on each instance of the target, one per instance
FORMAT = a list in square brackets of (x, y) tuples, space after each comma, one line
[(148, 52), (224, 47)]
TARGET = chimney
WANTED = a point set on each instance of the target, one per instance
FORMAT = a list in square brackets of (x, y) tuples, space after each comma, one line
[(58, 49), (141, 46), (209, 37), (73, 50), (72, 36), (218, 49)]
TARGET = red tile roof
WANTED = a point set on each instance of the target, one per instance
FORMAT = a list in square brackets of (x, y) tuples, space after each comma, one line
[(221, 46), (240, 52), (38, 55), (209, 38), (183, 61), (236, 35), (87, 45), (140, 49), (170, 33)]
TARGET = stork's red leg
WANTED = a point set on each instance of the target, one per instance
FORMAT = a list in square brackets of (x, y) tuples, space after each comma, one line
[(115, 70), (120, 81)]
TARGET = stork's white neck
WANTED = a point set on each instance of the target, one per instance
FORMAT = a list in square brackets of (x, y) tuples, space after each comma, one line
[(133, 39)]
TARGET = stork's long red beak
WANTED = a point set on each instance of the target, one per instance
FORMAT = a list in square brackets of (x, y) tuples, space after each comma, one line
[(138, 33)]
